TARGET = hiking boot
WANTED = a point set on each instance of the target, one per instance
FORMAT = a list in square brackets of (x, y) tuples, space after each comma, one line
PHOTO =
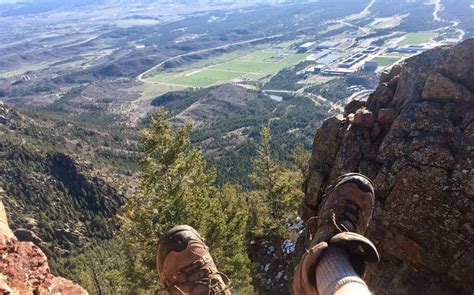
[(343, 216), (185, 266)]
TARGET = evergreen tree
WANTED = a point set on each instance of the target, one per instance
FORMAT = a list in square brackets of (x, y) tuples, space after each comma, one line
[(177, 188), (276, 196), (277, 190), (301, 159)]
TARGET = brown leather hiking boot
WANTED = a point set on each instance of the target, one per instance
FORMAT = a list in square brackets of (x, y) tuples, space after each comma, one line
[(343, 216), (185, 266)]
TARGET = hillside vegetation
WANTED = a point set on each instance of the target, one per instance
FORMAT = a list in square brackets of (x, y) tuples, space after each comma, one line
[(63, 180), (75, 177)]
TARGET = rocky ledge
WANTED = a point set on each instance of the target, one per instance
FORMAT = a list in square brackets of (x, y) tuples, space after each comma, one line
[(414, 137), (24, 267)]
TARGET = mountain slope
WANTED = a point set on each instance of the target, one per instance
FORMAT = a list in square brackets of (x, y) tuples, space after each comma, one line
[(24, 267), (53, 197), (64, 183), (227, 121)]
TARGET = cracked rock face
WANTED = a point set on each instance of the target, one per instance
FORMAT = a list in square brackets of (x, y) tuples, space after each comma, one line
[(24, 267), (414, 137)]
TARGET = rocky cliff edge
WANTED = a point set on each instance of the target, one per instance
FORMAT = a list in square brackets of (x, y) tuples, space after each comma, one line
[(24, 267), (414, 137)]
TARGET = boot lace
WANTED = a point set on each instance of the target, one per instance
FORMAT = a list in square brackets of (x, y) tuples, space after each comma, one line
[(348, 214), (204, 276)]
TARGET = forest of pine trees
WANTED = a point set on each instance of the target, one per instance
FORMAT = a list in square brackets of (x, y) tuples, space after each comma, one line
[(179, 187), (248, 208)]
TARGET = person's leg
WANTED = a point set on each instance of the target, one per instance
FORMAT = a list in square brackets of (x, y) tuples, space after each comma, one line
[(335, 274), (335, 261), (352, 289)]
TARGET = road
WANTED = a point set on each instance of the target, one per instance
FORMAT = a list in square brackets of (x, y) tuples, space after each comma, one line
[(452, 23), (140, 77), (354, 26), (367, 8), (317, 99), (438, 7), (336, 107)]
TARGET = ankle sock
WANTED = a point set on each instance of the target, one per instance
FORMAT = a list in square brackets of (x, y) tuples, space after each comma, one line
[(334, 271)]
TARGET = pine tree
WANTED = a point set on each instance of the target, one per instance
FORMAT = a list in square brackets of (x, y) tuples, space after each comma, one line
[(178, 188), (277, 190), (301, 159), (276, 196)]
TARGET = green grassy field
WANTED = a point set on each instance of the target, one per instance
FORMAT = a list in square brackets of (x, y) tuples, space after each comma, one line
[(263, 56), (287, 44), (204, 63), (254, 65), (205, 78), (243, 66), (417, 38), (163, 78), (385, 61)]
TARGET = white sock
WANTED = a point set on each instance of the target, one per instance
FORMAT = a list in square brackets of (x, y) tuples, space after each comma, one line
[(334, 271)]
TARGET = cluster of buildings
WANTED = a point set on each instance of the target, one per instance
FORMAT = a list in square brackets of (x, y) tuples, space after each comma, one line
[(327, 55), (331, 57), (305, 47), (352, 60), (312, 46)]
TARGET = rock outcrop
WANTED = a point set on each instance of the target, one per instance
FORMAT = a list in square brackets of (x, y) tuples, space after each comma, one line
[(414, 137), (24, 267)]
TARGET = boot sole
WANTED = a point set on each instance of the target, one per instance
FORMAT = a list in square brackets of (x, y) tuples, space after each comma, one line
[(179, 228)]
